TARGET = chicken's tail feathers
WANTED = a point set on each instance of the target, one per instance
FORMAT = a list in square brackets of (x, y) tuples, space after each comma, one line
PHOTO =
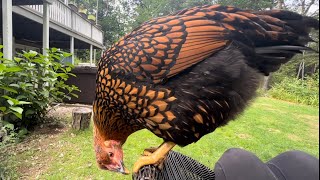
[(282, 49), (267, 38), (298, 22), (269, 59), (288, 28), (288, 35)]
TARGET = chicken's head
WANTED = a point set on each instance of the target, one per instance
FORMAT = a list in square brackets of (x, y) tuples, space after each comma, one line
[(109, 156)]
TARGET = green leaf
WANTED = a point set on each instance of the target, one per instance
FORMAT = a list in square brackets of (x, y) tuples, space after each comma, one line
[(10, 100), (8, 89), (29, 85), (22, 132), (45, 93), (29, 112), (3, 109), (57, 57), (53, 50), (17, 109), (33, 53), (62, 75), (17, 59), (18, 115), (21, 97), (13, 69), (9, 126), (65, 54), (74, 95), (39, 61), (72, 74), (69, 64), (68, 69), (2, 67), (67, 97), (24, 102), (15, 85)]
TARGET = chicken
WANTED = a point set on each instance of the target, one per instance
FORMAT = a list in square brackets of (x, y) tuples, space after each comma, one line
[(186, 74)]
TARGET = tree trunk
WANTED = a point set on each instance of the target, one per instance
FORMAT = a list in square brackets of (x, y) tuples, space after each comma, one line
[(81, 118), (280, 4), (2, 132), (266, 81)]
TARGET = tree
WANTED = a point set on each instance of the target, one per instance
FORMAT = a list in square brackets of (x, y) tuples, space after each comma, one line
[(301, 65), (304, 7), (266, 80), (112, 17), (148, 9), (247, 4)]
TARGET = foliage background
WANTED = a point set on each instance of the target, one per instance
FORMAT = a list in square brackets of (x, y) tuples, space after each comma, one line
[(29, 84)]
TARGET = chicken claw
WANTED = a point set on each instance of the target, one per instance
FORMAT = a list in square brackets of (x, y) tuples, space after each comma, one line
[(156, 157)]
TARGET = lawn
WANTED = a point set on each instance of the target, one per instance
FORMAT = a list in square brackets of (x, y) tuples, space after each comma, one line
[(268, 127)]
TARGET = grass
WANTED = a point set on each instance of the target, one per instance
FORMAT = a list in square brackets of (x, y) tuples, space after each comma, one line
[(267, 128)]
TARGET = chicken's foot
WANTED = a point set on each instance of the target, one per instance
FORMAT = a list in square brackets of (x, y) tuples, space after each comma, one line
[(149, 151), (153, 158)]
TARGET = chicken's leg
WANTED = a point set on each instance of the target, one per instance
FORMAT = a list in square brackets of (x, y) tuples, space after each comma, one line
[(154, 158)]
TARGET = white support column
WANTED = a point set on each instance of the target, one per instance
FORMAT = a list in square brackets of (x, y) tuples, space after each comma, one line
[(45, 34), (95, 56), (72, 49), (7, 28), (91, 49), (102, 52), (13, 45), (97, 12)]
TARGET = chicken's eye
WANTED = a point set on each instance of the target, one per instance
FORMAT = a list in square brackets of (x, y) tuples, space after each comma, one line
[(110, 154)]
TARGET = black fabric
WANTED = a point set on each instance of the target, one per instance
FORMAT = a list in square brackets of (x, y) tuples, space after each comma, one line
[(176, 167), (238, 164), (295, 165)]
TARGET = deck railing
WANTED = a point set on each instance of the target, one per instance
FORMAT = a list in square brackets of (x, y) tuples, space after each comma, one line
[(62, 14)]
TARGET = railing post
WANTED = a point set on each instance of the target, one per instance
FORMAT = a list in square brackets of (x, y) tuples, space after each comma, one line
[(45, 33), (72, 49), (91, 49), (7, 28), (95, 56)]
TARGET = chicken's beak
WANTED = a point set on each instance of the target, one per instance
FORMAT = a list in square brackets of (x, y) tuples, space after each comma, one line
[(123, 169)]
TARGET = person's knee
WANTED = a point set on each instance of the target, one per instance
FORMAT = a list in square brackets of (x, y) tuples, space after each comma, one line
[(295, 165), (240, 164)]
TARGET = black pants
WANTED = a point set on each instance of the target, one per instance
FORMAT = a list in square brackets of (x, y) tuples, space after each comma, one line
[(238, 164)]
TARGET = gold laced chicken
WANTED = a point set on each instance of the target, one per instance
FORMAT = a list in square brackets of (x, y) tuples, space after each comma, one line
[(184, 75)]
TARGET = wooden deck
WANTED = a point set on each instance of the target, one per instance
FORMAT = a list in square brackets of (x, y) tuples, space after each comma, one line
[(65, 20)]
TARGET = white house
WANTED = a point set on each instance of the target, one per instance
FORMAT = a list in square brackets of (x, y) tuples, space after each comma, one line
[(40, 24)]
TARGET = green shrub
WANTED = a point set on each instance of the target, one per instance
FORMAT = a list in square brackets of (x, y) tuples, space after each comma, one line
[(30, 83), (297, 90), (291, 68), (9, 134)]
